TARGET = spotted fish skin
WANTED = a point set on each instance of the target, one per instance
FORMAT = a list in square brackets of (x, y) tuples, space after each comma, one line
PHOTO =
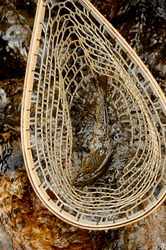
[(101, 147)]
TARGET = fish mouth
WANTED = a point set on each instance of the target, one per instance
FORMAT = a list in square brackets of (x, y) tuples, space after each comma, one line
[(82, 180)]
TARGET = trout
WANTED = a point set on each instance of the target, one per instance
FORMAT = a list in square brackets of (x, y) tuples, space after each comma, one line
[(101, 147)]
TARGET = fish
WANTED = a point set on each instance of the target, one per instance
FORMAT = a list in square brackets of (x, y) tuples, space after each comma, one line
[(101, 147)]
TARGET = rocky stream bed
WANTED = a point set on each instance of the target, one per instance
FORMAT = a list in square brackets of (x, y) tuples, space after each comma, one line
[(24, 221)]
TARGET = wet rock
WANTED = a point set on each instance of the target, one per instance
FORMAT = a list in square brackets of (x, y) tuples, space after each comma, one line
[(10, 112), (10, 102), (147, 234), (16, 25), (15, 160), (5, 242), (108, 7), (28, 224), (143, 24)]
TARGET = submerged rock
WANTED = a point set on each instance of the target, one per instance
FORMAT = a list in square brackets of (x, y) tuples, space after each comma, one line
[(28, 224), (16, 25), (147, 234), (10, 112), (143, 25)]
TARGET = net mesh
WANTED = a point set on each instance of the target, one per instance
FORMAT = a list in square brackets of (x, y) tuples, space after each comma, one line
[(72, 48)]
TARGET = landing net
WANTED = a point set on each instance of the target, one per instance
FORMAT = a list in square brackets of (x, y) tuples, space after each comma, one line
[(72, 45)]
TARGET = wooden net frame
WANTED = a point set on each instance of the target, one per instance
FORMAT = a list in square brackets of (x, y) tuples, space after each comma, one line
[(71, 38)]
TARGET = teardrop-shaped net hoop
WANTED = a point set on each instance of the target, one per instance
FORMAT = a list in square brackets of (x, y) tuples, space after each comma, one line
[(72, 44)]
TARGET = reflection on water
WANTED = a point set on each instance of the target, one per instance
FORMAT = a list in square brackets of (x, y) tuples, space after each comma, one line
[(25, 223)]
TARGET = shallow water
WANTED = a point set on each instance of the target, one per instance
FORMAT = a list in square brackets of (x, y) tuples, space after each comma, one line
[(24, 222)]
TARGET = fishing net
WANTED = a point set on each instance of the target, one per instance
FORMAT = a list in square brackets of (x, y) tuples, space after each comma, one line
[(72, 46)]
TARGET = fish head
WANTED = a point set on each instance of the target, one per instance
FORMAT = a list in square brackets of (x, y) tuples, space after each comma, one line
[(79, 180), (82, 179)]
